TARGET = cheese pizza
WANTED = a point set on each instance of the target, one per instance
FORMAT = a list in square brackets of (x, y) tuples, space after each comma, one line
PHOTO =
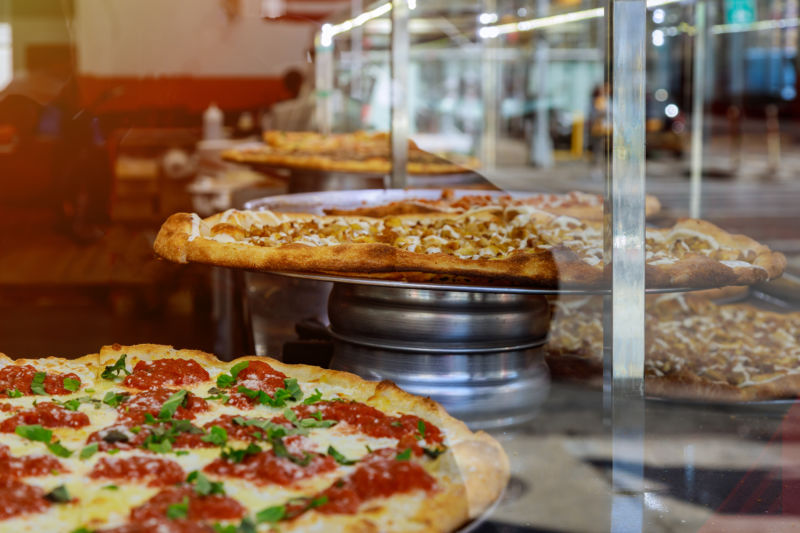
[(359, 152), (694, 347), (148, 438), (515, 244), (574, 204)]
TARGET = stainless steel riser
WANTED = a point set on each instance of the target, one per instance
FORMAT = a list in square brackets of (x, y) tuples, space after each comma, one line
[(478, 354)]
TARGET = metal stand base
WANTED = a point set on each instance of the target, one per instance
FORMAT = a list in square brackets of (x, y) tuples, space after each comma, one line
[(478, 354)]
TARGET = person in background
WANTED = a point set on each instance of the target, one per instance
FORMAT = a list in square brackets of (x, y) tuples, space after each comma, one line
[(296, 113)]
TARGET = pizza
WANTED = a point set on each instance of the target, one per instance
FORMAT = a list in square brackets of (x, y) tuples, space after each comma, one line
[(149, 438), (574, 204), (694, 347), (518, 245), (360, 152)]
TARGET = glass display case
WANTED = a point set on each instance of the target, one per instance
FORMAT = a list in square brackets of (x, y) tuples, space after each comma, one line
[(644, 378)]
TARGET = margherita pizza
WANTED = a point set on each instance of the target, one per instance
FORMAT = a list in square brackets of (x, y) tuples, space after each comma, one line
[(694, 348), (147, 438), (342, 152), (574, 204), (511, 245)]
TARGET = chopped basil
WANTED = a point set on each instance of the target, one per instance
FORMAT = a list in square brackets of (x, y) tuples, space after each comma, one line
[(58, 495), (14, 393), (396, 424), (82, 530), (405, 455), (109, 487), (164, 446), (294, 389), (314, 398), (237, 456), (216, 436), (34, 432), (150, 419), (37, 385), (310, 423), (72, 405), (56, 448), (281, 450), (161, 437), (113, 451), (271, 515), (116, 371), (171, 405), (204, 486), (341, 459), (113, 399), (71, 384), (88, 451), (226, 380), (270, 429), (176, 511), (421, 429)]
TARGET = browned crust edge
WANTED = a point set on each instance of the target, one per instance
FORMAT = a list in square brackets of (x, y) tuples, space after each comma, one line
[(548, 269)]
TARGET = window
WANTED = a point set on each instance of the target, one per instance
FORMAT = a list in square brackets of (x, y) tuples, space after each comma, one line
[(6, 67)]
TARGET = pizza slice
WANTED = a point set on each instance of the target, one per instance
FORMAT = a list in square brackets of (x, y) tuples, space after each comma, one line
[(694, 347), (516, 245)]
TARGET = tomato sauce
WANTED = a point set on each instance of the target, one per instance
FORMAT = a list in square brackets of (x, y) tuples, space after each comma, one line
[(257, 376), (200, 508), (20, 377), (148, 375), (372, 422), (380, 474), (265, 468), (156, 471), (20, 498), (46, 414), (27, 465), (132, 412)]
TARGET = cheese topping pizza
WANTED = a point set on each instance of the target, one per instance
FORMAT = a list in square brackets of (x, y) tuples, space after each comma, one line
[(147, 438), (515, 244), (693, 346), (575, 204), (343, 152)]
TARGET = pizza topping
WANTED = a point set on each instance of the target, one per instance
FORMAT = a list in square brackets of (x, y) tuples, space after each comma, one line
[(156, 471), (117, 370), (157, 437), (20, 498), (37, 433), (255, 382), (380, 474), (165, 372), (407, 429), (181, 510), (46, 414), (18, 380), (278, 466), (27, 465), (731, 345), (161, 403)]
